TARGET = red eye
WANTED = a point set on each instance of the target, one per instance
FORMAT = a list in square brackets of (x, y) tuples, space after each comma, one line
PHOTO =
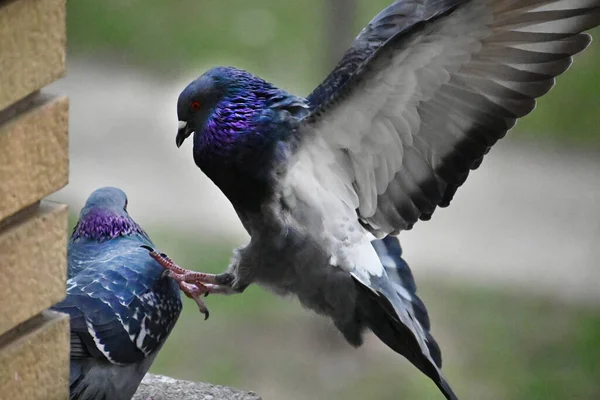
[(195, 105)]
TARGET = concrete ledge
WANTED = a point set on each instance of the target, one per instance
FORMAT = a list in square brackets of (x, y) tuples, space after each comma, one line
[(34, 153), (32, 46), (33, 263), (34, 359), (164, 388)]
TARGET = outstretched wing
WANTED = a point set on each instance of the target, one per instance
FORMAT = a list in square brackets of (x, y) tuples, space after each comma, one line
[(395, 136), (392, 21)]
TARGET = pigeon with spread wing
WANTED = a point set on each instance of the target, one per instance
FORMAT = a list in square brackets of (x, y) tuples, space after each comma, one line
[(425, 91)]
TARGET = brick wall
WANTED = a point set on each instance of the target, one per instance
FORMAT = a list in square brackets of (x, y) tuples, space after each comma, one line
[(34, 343)]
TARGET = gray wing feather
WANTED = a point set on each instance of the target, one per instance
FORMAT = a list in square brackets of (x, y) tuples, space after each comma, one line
[(423, 108), (395, 19)]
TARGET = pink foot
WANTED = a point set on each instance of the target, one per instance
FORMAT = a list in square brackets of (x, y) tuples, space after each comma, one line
[(193, 284)]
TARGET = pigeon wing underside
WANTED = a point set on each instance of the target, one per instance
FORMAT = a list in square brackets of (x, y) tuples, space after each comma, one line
[(396, 128)]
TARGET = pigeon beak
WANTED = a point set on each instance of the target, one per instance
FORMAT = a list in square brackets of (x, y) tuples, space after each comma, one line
[(183, 132)]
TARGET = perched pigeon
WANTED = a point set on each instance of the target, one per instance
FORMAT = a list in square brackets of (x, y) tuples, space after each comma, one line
[(122, 308), (421, 96)]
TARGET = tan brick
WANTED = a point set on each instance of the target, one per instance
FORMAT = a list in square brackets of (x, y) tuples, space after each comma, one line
[(34, 359), (32, 46), (34, 153), (33, 263)]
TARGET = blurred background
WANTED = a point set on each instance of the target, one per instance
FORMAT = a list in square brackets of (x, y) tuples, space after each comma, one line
[(510, 272)]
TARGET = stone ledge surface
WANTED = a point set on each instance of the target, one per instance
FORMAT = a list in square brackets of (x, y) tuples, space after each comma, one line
[(32, 46), (33, 263), (34, 359), (160, 387), (34, 153)]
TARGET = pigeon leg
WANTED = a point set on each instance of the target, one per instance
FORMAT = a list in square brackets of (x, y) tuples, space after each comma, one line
[(205, 288), (209, 283), (181, 274)]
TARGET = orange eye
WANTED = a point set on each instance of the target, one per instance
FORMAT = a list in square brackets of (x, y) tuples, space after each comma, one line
[(195, 105)]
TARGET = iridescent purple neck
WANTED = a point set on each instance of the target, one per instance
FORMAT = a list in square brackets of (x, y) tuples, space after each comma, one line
[(239, 117), (101, 225)]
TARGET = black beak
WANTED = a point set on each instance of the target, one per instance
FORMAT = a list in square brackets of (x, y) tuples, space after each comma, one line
[(182, 133)]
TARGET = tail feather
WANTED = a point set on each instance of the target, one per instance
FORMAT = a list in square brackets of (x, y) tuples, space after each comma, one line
[(93, 379), (80, 386), (403, 283), (391, 308)]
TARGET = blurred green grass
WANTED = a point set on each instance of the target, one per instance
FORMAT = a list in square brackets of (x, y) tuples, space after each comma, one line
[(284, 42), (496, 345)]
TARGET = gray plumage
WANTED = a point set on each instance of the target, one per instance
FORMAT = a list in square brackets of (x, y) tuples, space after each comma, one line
[(424, 92)]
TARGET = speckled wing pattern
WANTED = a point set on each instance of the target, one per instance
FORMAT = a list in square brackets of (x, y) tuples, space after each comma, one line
[(121, 308), (425, 92)]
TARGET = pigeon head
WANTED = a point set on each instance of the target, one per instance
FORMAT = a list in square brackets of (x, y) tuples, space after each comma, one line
[(108, 199), (105, 216), (198, 100), (222, 102)]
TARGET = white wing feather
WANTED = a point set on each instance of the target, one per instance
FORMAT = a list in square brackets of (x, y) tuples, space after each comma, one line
[(424, 110)]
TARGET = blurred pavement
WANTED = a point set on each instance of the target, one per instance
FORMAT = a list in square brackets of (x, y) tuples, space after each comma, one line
[(527, 219)]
